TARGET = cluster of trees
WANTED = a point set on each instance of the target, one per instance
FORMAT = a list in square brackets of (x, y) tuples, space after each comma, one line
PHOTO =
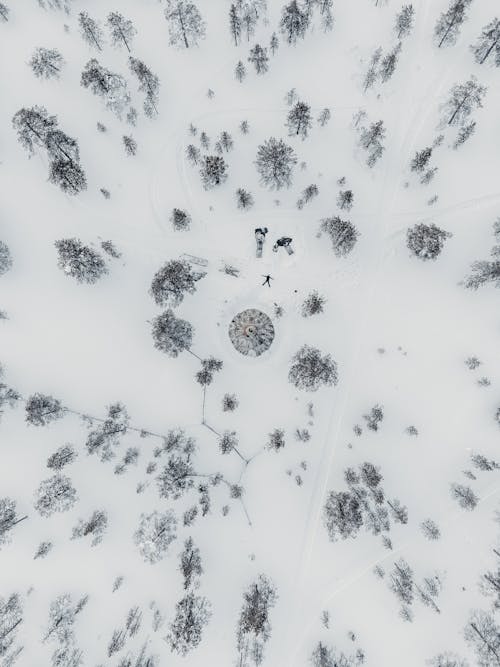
[(37, 129), (254, 627), (192, 612), (325, 656), (244, 16), (382, 67), (364, 503), (121, 29), (407, 589), (170, 284), (63, 614)]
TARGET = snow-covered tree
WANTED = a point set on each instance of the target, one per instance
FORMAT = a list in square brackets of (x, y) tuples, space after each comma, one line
[(149, 84), (32, 126), (240, 71), (5, 258), (111, 87), (42, 410), (483, 635), (343, 235), (450, 22), (46, 63), (259, 58), (294, 22), (404, 21), (313, 304), (186, 25), (192, 614), (299, 120), (80, 261), (154, 535), (171, 334), (464, 98), (173, 281), (55, 494), (90, 30), (213, 171), (254, 627), (275, 162), (310, 369), (122, 30), (426, 241), (181, 220), (9, 518)]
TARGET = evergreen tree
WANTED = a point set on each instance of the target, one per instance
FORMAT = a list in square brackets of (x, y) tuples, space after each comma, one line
[(483, 635), (404, 21), (108, 85), (130, 144), (148, 84), (68, 175), (60, 146), (122, 30), (259, 58), (310, 369), (275, 162), (154, 535), (421, 160), (5, 262), (42, 410), (240, 71), (173, 281), (4, 12), (294, 22), (171, 334), (186, 25), (8, 519), (449, 23), (244, 199), (192, 614), (46, 63), (464, 98), (90, 30), (343, 235), (213, 171), (235, 24), (389, 62), (80, 261), (299, 119), (488, 43), (274, 43), (32, 126), (55, 494), (426, 241), (254, 627)]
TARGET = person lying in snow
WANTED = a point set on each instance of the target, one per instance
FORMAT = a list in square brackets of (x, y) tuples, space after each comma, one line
[(284, 242)]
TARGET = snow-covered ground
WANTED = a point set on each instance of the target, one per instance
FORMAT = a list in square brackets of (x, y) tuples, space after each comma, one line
[(400, 330)]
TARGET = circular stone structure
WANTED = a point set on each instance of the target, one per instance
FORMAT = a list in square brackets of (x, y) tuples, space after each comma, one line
[(251, 332)]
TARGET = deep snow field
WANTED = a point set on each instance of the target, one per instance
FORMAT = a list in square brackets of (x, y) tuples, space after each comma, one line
[(399, 329)]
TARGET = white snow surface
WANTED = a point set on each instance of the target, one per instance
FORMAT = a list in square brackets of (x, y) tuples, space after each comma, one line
[(399, 329)]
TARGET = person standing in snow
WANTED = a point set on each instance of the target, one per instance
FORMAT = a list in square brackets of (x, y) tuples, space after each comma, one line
[(284, 242), (260, 237)]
